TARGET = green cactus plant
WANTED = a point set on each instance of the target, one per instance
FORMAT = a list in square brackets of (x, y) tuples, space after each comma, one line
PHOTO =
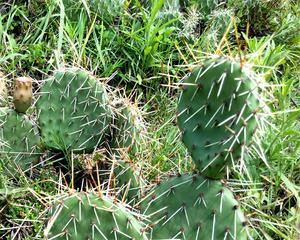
[(90, 216), (19, 140), (217, 114), (73, 112), (194, 207), (128, 178), (129, 128)]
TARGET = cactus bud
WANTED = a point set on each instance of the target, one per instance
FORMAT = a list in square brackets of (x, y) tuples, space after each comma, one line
[(23, 94)]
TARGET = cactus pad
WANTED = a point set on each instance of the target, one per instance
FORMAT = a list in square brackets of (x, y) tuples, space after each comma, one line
[(129, 126), (217, 114), (128, 179), (193, 207), (19, 140), (72, 111), (88, 216)]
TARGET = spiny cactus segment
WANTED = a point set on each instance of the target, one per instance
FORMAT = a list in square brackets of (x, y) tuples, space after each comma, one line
[(217, 114), (128, 178), (129, 128), (19, 140), (193, 207), (89, 216), (72, 111)]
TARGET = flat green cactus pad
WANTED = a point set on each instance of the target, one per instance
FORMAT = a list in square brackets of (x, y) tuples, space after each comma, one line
[(72, 111), (88, 216), (217, 114), (19, 140), (129, 126), (193, 207), (129, 180)]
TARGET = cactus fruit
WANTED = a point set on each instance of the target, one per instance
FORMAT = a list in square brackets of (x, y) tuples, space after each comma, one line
[(89, 216), (22, 94), (217, 114), (193, 207), (129, 129), (72, 111), (3, 91), (19, 140)]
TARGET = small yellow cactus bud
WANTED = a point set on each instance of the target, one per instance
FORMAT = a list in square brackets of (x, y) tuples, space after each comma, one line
[(22, 94)]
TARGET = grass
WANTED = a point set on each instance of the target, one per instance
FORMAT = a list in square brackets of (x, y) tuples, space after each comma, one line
[(149, 56)]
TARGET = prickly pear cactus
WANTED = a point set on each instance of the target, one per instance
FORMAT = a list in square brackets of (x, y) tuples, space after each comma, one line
[(129, 180), (88, 216), (22, 94), (217, 114), (3, 91), (19, 141), (72, 111), (193, 207), (129, 128)]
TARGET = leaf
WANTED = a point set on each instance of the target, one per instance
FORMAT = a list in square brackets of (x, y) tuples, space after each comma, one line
[(292, 187)]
